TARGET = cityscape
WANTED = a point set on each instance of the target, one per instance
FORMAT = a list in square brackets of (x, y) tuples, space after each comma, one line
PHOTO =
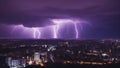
[(59, 33), (28, 52)]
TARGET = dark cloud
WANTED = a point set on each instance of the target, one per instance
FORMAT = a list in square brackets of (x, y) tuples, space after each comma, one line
[(33, 12), (102, 14)]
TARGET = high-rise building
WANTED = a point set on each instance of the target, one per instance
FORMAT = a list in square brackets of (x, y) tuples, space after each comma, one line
[(9, 61), (15, 64), (23, 62), (30, 62), (44, 57), (36, 57)]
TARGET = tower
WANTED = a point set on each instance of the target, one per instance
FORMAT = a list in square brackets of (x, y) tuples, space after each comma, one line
[(36, 57)]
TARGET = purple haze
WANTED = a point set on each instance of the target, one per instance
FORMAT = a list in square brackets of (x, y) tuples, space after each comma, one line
[(34, 19)]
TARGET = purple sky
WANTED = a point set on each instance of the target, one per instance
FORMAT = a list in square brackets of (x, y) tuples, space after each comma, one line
[(103, 15)]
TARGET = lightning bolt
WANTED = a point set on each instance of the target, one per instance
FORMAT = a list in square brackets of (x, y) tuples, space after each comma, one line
[(55, 31), (35, 30), (36, 33), (65, 21), (76, 30)]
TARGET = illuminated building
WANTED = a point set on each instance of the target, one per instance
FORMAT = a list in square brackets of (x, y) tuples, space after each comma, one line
[(9, 61), (36, 57), (15, 64), (30, 62), (44, 57)]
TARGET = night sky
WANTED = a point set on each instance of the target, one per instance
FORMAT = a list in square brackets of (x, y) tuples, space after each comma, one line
[(102, 16)]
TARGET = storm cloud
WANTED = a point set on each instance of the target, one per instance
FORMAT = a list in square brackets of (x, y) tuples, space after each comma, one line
[(31, 12), (103, 14)]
